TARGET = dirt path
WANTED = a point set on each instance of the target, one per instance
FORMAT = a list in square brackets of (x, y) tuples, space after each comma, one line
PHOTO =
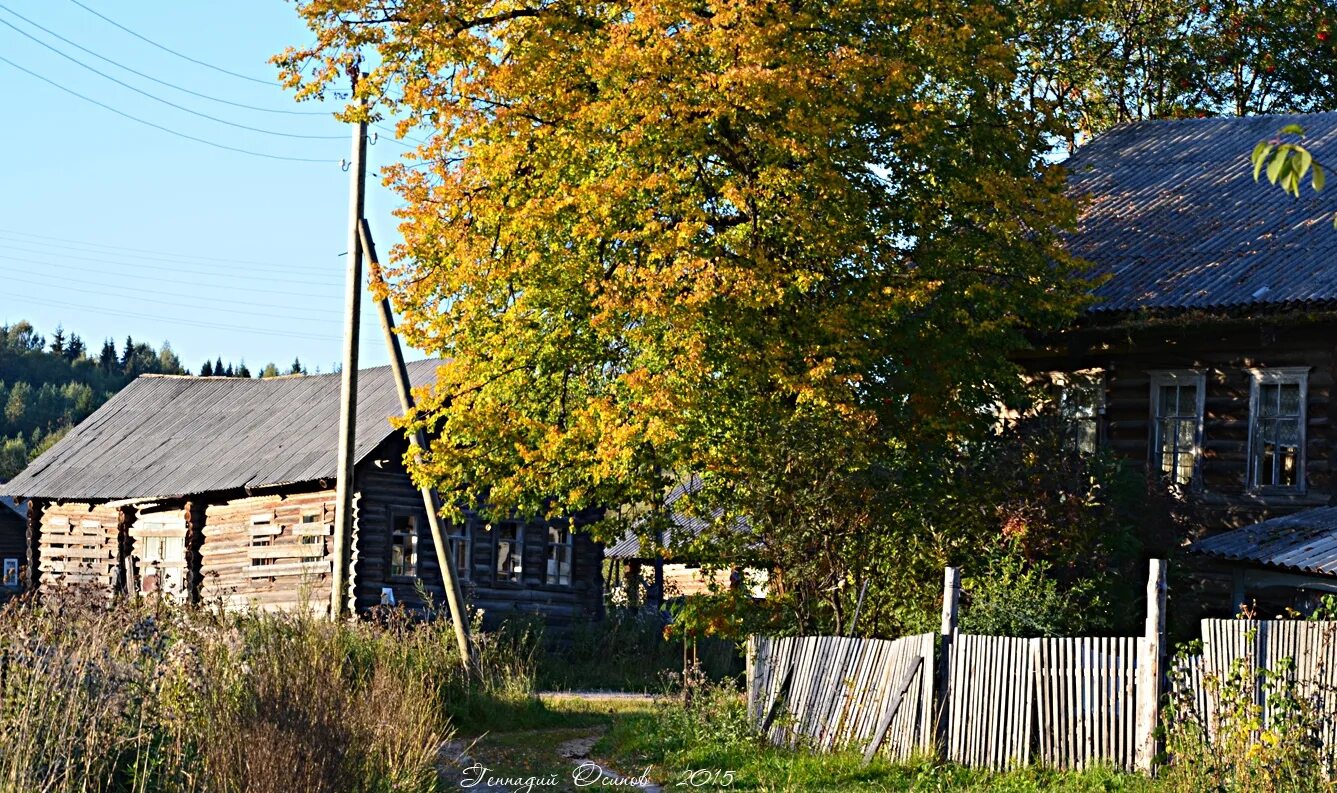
[(542, 760)]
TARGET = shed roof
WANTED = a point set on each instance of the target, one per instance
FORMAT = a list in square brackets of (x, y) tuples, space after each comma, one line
[(171, 436), (682, 531), (1176, 221), (1304, 541)]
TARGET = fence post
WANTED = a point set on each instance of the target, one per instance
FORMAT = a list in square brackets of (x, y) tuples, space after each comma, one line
[(951, 597), (1150, 665)]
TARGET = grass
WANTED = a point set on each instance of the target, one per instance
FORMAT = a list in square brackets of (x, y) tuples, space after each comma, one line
[(711, 744), (156, 697)]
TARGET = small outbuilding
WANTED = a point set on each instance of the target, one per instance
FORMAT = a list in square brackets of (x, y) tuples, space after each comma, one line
[(1286, 561), (222, 490)]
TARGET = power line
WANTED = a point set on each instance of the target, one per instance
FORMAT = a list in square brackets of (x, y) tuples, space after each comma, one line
[(35, 300), (195, 283), (161, 268), (152, 255), (159, 126), (169, 49), (157, 98), (120, 65), (134, 292)]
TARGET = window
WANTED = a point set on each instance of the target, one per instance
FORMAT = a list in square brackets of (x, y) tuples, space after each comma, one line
[(162, 564), (403, 546), (559, 556), (1081, 404), (1176, 432), (1277, 428), (509, 542), (459, 543), (309, 521)]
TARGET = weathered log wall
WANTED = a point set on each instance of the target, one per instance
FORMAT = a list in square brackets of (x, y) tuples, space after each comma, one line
[(80, 547), (269, 552)]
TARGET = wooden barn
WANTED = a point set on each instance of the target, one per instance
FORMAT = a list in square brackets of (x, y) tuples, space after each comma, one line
[(1210, 352), (222, 490)]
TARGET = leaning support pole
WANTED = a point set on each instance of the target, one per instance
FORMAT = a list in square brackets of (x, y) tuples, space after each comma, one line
[(454, 594)]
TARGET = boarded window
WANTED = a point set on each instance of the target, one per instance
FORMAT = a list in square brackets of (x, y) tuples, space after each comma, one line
[(509, 539), (559, 556), (1277, 428), (403, 546), (1177, 400)]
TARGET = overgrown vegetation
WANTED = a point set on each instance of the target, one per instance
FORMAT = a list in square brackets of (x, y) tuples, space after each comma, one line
[(1242, 742), (152, 697), (711, 737)]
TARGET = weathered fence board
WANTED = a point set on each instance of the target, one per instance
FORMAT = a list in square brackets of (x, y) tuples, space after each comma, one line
[(841, 691), (1085, 699), (990, 696)]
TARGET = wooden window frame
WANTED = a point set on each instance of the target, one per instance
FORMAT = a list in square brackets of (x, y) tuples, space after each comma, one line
[(1176, 377), (1063, 383), (462, 533), (570, 545), (519, 579), (391, 516), (1278, 375)]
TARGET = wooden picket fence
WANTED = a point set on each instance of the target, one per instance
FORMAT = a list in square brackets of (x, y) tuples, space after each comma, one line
[(826, 692), (1068, 703), (1305, 653)]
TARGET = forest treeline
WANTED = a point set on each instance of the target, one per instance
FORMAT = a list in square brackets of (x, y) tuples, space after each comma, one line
[(48, 385)]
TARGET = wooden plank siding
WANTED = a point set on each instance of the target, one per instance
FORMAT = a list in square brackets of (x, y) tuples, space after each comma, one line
[(253, 556), (1225, 350), (79, 548)]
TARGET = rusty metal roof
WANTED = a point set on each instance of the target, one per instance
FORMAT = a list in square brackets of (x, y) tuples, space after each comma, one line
[(1304, 541), (162, 437), (1176, 221)]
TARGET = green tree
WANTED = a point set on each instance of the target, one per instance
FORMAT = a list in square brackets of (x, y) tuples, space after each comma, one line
[(207, 370), (270, 370), (296, 367), (17, 406), (779, 246)]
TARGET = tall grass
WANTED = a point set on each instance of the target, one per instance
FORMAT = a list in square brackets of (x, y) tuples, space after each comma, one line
[(155, 697)]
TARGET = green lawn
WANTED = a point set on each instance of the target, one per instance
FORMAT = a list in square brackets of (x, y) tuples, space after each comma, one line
[(711, 748)]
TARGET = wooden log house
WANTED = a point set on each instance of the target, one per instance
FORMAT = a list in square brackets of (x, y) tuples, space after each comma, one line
[(13, 546), (222, 490), (1209, 354)]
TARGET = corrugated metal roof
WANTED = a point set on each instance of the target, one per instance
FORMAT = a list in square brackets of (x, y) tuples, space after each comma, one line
[(174, 436), (684, 528), (1305, 541), (1176, 220)]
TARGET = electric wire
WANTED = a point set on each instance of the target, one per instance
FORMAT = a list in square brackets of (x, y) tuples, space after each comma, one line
[(168, 130), (173, 86), (160, 267), (244, 288), (151, 255), (251, 329), (166, 49), (157, 98)]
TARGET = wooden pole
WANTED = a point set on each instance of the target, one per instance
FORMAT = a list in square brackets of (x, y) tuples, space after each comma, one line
[(343, 499), (1150, 666), (951, 599), (449, 576)]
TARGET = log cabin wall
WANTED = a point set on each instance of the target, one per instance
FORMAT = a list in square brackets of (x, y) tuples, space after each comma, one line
[(79, 547), (385, 492), (269, 552), (157, 552), (1225, 351)]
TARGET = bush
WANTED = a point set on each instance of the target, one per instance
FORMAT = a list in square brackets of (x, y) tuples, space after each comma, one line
[(1011, 598), (151, 696), (1241, 745)]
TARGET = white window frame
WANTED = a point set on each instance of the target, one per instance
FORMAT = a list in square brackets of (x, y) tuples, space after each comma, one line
[(461, 534), (567, 540), (1278, 375), (1176, 377)]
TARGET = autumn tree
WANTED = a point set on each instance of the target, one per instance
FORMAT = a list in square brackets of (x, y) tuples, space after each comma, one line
[(784, 247)]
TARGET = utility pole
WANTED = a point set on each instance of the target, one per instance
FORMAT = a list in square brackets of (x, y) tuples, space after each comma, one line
[(449, 576), (343, 504)]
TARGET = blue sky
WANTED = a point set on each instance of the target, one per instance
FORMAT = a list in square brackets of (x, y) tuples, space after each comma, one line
[(112, 228)]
